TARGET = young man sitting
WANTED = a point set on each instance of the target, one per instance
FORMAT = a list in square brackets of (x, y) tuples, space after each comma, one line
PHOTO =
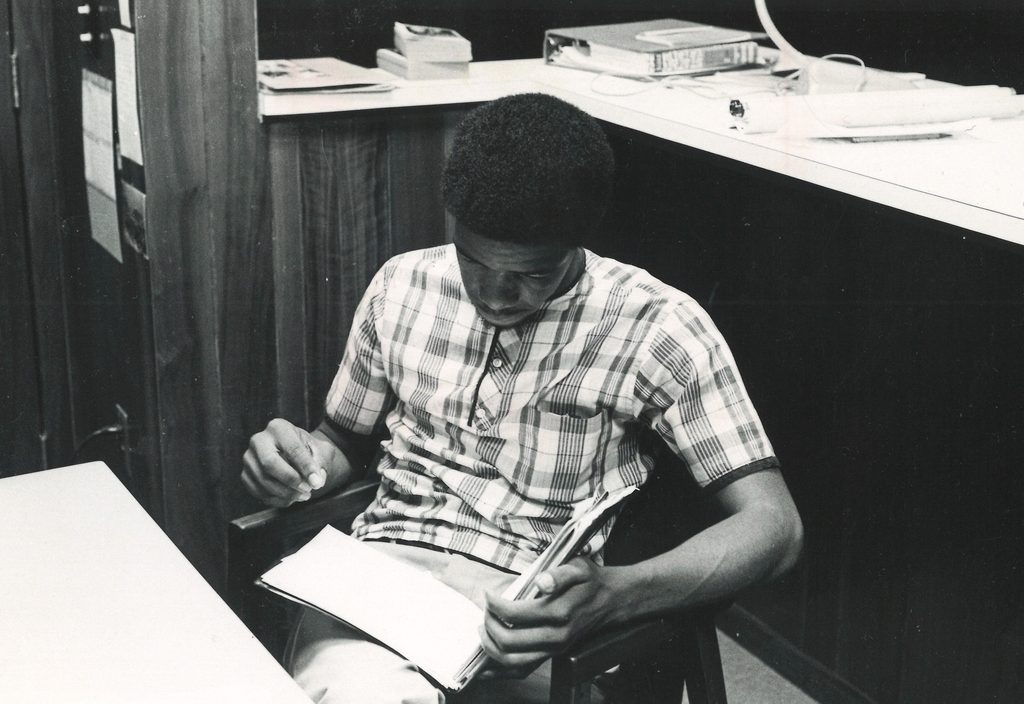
[(512, 374)]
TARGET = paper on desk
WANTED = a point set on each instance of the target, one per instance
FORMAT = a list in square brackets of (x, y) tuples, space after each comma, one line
[(874, 113), (318, 75)]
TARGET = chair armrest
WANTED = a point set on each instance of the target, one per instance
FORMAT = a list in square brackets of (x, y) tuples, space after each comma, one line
[(605, 649), (338, 509)]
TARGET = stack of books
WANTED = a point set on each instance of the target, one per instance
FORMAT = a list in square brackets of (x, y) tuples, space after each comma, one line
[(656, 48), (426, 53)]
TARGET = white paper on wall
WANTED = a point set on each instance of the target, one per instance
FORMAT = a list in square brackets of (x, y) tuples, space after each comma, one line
[(126, 82), (98, 132)]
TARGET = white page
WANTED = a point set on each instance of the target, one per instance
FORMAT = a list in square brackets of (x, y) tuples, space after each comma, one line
[(98, 153), (126, 83), (425, 620), (98, 133), (125, 13)]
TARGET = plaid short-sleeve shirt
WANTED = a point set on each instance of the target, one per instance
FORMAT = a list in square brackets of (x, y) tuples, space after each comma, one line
[(496, 434)]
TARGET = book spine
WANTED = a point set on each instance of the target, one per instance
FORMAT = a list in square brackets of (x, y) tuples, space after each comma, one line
[(709, 57), (679, 60)]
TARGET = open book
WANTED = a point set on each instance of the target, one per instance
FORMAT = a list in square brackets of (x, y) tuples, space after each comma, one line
[(406, 608)]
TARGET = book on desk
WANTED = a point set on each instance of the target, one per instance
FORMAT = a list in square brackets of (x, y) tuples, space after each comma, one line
[(662, 47)]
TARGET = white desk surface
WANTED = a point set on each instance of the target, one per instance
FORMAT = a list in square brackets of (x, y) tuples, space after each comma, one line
[(974, 180), (97, 605)]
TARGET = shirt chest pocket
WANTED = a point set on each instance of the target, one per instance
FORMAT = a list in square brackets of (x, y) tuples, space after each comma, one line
[(552, 458)]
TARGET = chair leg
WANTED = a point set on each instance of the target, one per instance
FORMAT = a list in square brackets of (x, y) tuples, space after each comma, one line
[(705, 683), (563, 689)]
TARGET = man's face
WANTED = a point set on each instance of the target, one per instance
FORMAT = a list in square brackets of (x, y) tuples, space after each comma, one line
[(507, 281)]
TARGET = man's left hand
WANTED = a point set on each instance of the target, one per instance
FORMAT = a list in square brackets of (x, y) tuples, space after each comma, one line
[(575, 598)]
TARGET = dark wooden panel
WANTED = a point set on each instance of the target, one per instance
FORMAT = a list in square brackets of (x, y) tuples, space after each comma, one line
[(20, 449), (330, 236), (291, 381), (883, 353), (185, 258), (41, 65), (345, 229), (417, 145), (20, 412), (348, 194), (238, 179)]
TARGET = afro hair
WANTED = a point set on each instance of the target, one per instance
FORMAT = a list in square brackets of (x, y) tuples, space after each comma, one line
[(529, 168)]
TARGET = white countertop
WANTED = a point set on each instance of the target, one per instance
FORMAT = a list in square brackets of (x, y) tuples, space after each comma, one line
[(974, 179)]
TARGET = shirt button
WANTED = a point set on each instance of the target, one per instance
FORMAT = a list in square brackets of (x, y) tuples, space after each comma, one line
[(480, 412), (497, 363)]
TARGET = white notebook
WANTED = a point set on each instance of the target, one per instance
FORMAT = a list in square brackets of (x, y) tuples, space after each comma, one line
[(408, 609)]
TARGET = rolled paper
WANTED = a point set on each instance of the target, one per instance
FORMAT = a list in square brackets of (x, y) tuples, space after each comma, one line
[(769, 113)]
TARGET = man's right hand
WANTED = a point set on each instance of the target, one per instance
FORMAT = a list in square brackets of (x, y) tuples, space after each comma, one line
[(285, 464)]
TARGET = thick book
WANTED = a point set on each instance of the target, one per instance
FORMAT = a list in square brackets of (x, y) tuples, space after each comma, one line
[(406, 608), (653, 48), (424, 43), (317, 75), (393, 62)]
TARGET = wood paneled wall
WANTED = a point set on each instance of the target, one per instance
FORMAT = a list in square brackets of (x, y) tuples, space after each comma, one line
[(20, 410), (41, 65), (348, 194), (208, 237)]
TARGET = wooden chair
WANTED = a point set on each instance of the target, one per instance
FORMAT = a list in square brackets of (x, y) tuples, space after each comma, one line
[(655, 657)]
